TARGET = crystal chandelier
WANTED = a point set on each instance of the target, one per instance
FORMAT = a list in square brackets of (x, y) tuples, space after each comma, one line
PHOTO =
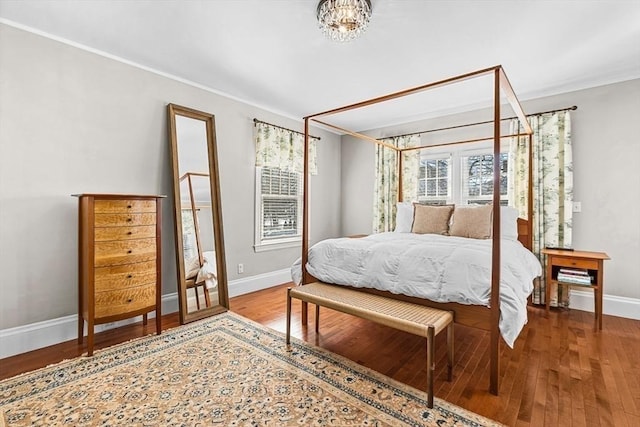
[(343, 20)]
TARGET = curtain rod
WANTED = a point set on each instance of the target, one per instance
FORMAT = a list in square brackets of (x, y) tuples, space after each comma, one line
[(573, 107), (284, 128)]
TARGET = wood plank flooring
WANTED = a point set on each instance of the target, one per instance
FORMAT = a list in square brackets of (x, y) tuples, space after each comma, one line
[(561, 372)]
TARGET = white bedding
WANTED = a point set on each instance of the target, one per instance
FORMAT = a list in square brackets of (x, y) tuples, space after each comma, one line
[(435, 267)]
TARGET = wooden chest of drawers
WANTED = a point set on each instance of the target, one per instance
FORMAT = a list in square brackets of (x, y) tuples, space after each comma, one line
[(119, 260)]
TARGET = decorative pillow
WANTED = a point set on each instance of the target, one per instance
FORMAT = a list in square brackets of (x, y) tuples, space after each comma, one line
[(404, 217), (508, 223), (431, 219), (472, 221)]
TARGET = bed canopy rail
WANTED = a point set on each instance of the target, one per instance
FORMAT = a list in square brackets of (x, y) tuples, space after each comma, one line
[(572, 108), (501, 86)]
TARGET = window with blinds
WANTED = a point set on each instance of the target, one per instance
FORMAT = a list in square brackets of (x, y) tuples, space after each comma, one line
[(477, 178), (461, 177), (434, 180), (280, 205)]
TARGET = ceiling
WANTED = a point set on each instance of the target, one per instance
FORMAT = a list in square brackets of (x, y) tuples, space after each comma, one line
[(271, 54)]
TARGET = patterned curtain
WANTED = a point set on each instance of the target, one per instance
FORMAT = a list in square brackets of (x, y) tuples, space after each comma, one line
[(385, 195), (552, 187), (283, 149)]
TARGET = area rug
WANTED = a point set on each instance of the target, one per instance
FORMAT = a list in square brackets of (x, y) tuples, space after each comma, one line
[(225, 370)]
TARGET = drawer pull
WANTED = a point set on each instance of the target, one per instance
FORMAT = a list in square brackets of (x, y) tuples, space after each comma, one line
[(129, 276), (128, 206), (129, 233), (129, 251), (129, 300), (129, 219)]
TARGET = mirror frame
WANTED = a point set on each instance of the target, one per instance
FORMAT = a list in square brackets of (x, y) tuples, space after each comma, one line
[(174, 110)]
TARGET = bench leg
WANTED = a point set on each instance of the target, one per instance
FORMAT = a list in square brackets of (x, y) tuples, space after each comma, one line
[(317, 318), (288, 316), (450, 353), (305, 312), (430, 365)]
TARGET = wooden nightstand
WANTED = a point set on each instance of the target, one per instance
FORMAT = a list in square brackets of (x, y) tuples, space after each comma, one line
[(591, 262)]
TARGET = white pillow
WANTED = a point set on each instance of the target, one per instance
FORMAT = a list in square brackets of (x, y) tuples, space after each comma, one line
[(508, 223), (404, 217)]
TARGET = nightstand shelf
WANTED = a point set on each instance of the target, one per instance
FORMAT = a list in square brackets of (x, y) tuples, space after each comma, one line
[(579, 261)]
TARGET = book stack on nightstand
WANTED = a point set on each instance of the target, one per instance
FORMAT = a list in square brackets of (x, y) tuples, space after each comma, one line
[(574, 276)]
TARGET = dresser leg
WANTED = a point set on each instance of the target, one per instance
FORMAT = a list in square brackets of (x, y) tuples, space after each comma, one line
[(80, 329), (90, 338)]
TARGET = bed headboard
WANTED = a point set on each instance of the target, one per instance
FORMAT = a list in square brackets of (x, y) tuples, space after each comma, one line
[(524, 233)]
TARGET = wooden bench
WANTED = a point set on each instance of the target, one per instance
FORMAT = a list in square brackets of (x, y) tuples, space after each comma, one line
[(405, 316)]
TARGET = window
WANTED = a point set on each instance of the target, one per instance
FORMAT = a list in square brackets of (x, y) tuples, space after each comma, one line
[(279, 207), (434, 180), (477, 178), (461, 177)]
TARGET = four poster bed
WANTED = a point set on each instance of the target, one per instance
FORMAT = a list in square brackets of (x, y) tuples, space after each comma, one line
[(469, 312)]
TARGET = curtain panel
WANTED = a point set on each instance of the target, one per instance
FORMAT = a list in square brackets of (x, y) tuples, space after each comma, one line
[(385, 194), (552, 187), (283, 149)]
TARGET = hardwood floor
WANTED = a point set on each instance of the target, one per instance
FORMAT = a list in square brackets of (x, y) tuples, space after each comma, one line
[(560, 372)]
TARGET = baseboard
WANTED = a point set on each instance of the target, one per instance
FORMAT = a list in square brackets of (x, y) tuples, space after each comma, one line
[(22, 339), (258, 282), (611, 305)]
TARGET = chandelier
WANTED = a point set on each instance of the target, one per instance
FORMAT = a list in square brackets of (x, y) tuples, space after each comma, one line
[(343, 20)]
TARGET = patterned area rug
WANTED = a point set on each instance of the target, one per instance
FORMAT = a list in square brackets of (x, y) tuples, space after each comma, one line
[(225, 370)]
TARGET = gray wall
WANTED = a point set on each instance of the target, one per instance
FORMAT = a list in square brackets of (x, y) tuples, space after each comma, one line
[(606, 178), (71, 122)]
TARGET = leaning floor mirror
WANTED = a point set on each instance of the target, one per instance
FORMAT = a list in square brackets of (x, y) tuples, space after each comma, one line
[(202, 279)]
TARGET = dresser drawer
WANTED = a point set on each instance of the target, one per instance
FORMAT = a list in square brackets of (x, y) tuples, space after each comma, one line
[(118, 252), (123, 220), (124, 276), (575, 262), (123, 206), (116, 302), (124, 233)]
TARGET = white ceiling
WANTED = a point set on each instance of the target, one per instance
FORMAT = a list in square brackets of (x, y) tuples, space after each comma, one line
[(270, 53)]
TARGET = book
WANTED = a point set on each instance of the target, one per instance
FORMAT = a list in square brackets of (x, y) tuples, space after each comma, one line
[(574, 272), (574, 280), (574, 275)]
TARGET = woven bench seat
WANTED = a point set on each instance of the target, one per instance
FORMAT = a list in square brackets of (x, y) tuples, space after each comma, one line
[(405, 316)]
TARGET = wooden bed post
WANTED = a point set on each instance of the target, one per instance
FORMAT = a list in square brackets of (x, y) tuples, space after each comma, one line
[(494, 380), (399, 175), (530, 196), (305, 218)]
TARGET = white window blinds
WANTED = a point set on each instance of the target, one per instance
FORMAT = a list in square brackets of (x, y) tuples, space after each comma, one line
[(281, 203)]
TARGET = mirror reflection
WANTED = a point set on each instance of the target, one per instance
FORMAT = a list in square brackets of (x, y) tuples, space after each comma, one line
[(199, 247)]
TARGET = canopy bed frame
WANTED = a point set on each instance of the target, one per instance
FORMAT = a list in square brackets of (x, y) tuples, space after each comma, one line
[(470, 315)]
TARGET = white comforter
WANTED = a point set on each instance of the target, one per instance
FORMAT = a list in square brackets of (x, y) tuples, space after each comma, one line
[(438, 268)]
